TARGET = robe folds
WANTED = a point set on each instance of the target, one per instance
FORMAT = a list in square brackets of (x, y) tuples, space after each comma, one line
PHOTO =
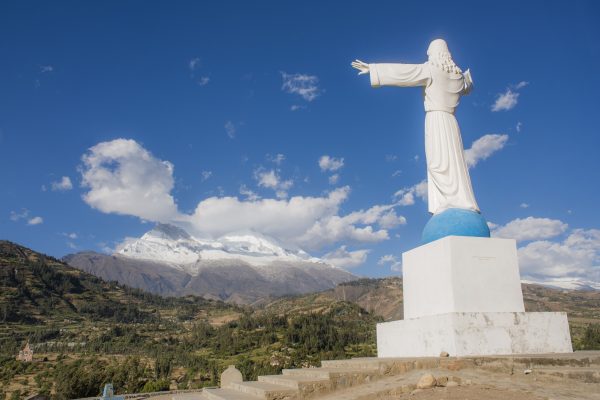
[(448, 180)]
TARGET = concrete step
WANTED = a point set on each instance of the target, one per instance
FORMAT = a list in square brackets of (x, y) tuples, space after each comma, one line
[(263, 390), (583, 374), (298, 382), (353, 363), (226, 394), (327, 373)]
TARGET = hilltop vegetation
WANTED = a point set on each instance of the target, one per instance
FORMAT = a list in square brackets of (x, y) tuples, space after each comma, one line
[(87, 332)]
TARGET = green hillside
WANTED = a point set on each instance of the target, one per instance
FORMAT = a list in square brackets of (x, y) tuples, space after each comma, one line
[(87, 332)]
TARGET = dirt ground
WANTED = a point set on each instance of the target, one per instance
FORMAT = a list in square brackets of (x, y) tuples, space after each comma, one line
[(474, 392)]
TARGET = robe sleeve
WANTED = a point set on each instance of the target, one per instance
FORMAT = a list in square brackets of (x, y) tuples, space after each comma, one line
[(468, 82), (399, 74)]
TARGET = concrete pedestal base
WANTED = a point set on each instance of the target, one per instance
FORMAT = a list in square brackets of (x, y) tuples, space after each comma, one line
[(463, 295), (475, 333)]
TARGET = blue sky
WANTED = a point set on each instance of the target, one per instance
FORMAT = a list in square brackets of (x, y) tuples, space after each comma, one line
[(239, 100)]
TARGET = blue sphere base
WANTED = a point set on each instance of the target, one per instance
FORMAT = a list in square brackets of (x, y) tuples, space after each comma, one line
[(455, 222)]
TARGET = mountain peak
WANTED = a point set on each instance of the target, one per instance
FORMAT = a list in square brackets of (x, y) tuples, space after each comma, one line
[(168, 231), (172, 245)]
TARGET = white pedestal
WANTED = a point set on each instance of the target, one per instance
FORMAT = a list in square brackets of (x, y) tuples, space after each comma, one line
[(475, 334), (463, 295)]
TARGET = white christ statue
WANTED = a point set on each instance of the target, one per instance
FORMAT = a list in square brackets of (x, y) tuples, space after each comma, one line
[(448, 181)]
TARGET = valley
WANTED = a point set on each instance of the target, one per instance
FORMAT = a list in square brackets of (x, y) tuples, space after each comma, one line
[(86, 331)]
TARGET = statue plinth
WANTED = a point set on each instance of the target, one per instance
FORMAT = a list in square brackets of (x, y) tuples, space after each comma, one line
[(463, 295)]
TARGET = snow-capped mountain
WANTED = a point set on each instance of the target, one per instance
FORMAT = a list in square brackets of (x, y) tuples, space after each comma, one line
[(240, 267), (565, 283), (173, 245)]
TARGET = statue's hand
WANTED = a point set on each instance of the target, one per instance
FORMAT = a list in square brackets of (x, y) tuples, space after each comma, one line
[(362, 67)]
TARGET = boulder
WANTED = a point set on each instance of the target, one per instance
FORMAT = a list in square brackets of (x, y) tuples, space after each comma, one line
[(441, 381), (426, 381)]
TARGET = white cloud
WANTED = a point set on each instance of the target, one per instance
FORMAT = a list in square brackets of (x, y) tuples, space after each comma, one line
[(203, 80), (303, 85), (369, 225), (276, 159), (521, 84), (310, 223), (205, 175), (24, 214), (391, 157), (230, 129), (124, 178), (334, 179), (530, 228), (343, 258), (296, 107), (284, 219), (396, 173), (327, 163), (394, 262), (71, 235), (576, 257), (16, 216), (391, 220), (249, 194), (484, 147), (491, 225), (62, 185), (524, 205), (35, 221), (519, 126), (194, 64), (406, 196), (46, 68), (505, 101), (270, 179), (508, 100)]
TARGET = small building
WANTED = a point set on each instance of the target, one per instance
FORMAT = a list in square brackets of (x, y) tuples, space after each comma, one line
[(25, 355)]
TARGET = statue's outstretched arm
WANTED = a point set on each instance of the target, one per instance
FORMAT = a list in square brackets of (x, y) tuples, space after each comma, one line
[(362, 67)]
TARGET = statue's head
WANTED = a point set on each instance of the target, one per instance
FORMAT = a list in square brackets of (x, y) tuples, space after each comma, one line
[(437, 46), (440, 56)]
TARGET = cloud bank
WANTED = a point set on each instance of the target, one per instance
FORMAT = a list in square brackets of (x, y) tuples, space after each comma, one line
[(122, 177)]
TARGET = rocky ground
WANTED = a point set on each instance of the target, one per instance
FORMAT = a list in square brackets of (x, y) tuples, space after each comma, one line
[(476, 384)]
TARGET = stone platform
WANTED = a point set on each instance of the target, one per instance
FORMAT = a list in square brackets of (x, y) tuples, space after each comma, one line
[(564, 376)]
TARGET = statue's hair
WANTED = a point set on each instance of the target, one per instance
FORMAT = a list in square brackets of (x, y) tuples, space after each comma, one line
[(443, 60)]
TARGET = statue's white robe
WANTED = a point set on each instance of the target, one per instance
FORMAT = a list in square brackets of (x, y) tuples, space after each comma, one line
[(448, 181)]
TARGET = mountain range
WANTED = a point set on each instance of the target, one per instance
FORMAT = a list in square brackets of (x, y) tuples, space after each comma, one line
[(241, 268)]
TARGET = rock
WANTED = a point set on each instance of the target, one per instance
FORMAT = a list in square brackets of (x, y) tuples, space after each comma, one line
[(527, 371), (230, 375), (451, 384), (441, 381), (426, 381), (468, 382), (444, 354), (415, 391)]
